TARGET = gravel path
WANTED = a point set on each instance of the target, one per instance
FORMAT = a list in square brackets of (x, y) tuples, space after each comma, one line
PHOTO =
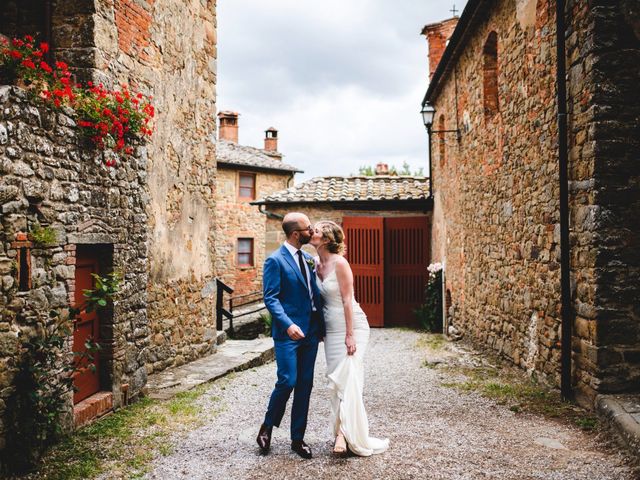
[(435, 432)]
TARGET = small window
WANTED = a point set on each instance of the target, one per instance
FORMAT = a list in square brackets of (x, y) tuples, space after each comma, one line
[(247, 186), (245, 252), (24, 269), (490, 76)]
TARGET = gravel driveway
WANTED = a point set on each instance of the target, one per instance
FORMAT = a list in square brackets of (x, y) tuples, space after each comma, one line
[(435, 432)]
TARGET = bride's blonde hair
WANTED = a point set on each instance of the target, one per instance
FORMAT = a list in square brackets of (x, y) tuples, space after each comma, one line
[(333, 232)]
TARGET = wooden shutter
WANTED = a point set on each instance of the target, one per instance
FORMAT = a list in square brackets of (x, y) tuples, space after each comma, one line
[(365, 251), (407, 256)]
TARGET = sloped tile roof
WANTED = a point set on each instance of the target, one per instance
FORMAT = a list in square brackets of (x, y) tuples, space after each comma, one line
[(232, 154), (352, 189)]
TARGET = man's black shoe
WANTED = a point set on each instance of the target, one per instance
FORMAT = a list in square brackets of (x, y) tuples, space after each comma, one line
[(301, 449), (264, 438)]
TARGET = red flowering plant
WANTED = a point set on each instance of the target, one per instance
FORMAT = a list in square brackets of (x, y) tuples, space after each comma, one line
[(112, 119)]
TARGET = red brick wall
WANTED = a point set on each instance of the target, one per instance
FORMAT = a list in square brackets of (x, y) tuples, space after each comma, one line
[(437, 35), (133, 20), (236, 218)]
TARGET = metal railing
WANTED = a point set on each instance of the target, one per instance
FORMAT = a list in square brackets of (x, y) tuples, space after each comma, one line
[(246, 299)]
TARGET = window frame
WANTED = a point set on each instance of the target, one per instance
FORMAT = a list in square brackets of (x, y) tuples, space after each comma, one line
[(251, 253), (254, 177)]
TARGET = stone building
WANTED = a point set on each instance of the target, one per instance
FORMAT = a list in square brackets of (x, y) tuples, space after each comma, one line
[(151, 216), (496, 184), (244, 174), (386, 221)]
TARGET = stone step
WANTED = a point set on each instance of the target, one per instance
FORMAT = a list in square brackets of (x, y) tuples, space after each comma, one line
[(231, 356), (622, 412)]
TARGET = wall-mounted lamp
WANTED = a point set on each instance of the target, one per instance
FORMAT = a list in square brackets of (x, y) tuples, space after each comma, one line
[(428, 113)]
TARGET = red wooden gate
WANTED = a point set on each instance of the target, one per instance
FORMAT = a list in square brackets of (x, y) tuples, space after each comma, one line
[(365, 251), (406, 261), (87, 380)]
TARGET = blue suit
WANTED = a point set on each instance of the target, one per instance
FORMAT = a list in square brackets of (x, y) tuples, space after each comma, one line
[(287, 298)]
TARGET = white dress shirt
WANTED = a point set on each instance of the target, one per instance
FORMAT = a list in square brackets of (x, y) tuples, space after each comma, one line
[(294, 253)]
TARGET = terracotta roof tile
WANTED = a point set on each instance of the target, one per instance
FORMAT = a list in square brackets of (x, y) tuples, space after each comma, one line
[(352, 189), (230, 153)]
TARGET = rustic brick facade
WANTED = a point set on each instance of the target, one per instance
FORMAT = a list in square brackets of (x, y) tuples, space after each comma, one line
[(178, 67), (496, 190), (237, 218)]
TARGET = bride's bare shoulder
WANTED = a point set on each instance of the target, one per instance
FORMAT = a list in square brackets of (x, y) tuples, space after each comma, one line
[(342, 263)]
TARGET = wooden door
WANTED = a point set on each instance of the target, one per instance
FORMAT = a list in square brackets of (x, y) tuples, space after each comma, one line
[(364, 237), (407, 256), (87, 380)]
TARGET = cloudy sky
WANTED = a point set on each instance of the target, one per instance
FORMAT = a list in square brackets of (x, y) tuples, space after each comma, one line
[(342, 80)]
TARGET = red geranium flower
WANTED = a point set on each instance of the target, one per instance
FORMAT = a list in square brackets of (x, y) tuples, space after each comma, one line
[(15, 54), (46, 67)]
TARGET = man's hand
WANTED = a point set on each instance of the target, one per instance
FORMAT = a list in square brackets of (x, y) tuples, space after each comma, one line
[(295, 333)]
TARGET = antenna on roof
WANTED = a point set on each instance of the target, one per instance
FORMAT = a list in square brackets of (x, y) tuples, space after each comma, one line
[(454, 10)]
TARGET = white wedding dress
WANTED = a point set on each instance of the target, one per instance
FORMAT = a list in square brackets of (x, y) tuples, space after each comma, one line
[(346, 372)]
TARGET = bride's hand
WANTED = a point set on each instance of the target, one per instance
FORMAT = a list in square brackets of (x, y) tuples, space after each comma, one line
[(350, 342)]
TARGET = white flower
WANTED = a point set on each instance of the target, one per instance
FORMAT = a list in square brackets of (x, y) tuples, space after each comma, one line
[(434, 268)]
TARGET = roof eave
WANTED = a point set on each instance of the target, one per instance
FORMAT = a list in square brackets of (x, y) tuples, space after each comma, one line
[(425, 203), (257, 167)]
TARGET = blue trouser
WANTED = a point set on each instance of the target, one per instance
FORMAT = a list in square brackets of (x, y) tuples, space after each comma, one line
[(296, 360)]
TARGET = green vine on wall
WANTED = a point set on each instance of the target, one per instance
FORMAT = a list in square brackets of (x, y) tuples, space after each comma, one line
[(44, 381), (42, 235)]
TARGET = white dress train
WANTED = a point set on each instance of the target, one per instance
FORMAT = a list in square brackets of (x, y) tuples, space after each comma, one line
[(346, 372)]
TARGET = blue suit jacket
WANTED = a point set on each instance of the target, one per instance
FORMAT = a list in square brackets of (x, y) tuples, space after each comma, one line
[(287, 297)]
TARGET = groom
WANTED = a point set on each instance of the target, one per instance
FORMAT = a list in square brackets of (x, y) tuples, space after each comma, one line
[(293, 299)]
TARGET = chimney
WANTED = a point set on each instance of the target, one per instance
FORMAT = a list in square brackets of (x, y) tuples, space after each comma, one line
[(438, 35), (271, 139), (228, 126), (382, 169)]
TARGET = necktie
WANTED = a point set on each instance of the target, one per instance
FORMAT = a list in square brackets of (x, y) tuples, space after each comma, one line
[(302, 269)]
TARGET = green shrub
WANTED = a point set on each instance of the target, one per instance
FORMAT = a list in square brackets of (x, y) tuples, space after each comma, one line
[(430, 312), (266, 320), (44, 381)]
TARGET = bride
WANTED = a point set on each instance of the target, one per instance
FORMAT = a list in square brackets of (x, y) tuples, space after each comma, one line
[(345, 344)]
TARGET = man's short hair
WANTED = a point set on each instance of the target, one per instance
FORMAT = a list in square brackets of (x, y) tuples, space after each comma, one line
[(289, 227)]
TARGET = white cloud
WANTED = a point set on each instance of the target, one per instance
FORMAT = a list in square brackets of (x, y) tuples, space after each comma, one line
[(341, 80)]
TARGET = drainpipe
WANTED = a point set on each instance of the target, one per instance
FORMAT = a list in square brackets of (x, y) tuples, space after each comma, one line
[(264, 211), (565, 266), (430, 167)]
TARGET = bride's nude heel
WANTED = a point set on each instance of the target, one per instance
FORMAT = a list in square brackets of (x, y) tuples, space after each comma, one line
[(340, 446)]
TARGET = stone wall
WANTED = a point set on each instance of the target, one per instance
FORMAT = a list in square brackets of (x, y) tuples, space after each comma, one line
[(496, 210), (50, 176), (496, 224), (604, 79), (236, 218), (168, 50)]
